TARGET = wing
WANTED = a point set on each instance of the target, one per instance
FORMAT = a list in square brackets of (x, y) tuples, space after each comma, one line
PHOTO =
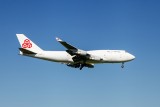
[(66, 45), (72, 50)]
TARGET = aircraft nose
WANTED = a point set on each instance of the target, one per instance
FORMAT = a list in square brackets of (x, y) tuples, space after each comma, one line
[(132, 57)]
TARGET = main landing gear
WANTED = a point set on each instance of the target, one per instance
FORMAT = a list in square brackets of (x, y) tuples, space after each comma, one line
[(122, 65), (81, 66)]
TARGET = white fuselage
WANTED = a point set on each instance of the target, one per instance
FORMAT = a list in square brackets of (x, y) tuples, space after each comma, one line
[(98, 56), (73, 57)]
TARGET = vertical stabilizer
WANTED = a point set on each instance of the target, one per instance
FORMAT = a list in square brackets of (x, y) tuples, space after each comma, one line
[(27, 44)]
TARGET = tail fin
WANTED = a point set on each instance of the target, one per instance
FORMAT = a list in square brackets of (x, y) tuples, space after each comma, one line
[(27, 44)]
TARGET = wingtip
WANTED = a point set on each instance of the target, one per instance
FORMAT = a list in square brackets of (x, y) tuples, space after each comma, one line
[(58, 39)]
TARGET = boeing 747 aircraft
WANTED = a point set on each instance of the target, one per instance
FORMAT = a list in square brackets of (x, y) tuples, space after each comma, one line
[(73, 57)]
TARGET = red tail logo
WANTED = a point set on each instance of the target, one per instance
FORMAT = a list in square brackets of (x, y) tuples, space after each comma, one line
[(26, 44)]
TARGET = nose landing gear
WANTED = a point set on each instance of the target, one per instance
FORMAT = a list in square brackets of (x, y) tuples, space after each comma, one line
[(122, 65)]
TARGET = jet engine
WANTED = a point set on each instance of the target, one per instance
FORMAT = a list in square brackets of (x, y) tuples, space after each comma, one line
[(81, 52), (78, 65), (89, 65), (74, 65)]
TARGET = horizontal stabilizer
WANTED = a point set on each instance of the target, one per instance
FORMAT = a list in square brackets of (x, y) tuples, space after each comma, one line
[(25, 51)]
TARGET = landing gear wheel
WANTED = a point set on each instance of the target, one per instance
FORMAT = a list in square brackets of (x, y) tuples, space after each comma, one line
[(81, 66), (122, 65)]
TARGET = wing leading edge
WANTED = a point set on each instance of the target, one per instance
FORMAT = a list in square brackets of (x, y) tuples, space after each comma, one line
[(65, 44), (71, 49)]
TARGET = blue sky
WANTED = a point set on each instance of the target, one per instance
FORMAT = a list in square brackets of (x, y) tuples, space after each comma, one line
[(132, 25)]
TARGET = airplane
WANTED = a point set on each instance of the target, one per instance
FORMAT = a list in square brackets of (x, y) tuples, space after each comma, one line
[(73, 57)]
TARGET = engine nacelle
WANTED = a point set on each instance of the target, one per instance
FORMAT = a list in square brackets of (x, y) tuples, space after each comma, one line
[(73, 65), (89, 65), (78, 65), (81, 52)]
